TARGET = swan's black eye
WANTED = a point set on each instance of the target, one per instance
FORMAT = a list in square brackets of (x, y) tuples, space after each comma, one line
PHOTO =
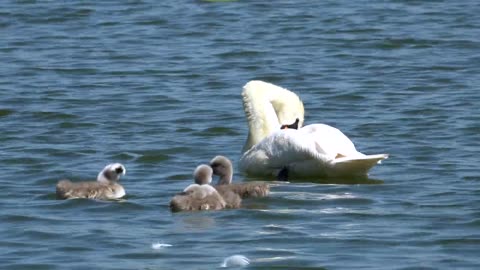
[(119, 170)]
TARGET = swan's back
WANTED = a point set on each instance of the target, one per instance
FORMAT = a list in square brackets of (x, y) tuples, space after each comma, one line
[(314, 150)]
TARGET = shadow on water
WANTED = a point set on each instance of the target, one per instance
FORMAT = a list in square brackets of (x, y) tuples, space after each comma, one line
[(354, 180), (343, 181)]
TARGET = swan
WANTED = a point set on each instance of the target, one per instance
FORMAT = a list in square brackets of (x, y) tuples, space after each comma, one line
[(223, 167), (105, 188), (277, 147), (200, 195)]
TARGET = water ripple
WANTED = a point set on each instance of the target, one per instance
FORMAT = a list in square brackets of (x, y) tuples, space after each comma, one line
[(157, 86)]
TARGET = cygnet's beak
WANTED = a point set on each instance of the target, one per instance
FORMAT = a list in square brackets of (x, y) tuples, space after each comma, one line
[(120, 170), (214, 168)]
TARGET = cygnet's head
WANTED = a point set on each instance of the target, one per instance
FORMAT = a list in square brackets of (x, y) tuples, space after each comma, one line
[(203, 174), (222, 166), (111, 173)]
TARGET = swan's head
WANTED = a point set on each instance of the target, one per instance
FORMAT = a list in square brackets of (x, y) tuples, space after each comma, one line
[(203, 174), (222, 167), (111, 173), (267, 108), (291, 126)]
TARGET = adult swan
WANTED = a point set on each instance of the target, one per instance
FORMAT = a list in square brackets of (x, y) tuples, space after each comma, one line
[(316, 150)]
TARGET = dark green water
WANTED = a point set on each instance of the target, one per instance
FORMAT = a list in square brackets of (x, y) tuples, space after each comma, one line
[(156, 86)]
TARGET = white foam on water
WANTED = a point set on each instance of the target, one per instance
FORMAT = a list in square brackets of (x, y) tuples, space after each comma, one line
[(160, 245), (278, 258), (235, 261)]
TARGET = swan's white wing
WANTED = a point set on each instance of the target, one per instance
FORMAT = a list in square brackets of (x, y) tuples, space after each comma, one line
[(330, 140), (314, 150), (285, 148), (344, 159)]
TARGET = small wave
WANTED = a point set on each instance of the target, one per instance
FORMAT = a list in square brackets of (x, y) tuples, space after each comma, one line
[(310, 196), (278, 229), (277, 258), (235, 261), (275, 249), (282, 228), (308, 211), (159, 245)]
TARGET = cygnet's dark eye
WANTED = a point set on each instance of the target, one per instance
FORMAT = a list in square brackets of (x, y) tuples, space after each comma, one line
[(119, 170)]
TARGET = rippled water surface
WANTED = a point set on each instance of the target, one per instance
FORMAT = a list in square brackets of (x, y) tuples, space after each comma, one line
[(156, 86)]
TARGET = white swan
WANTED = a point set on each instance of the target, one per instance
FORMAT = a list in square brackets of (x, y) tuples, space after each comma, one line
[(316, 150)]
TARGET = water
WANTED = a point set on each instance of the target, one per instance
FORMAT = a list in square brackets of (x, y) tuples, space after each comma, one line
[(156, 85)]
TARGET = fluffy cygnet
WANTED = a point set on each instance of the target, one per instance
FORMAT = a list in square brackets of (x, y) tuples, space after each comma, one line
[(223, 167), (105, 188), (199, 196)]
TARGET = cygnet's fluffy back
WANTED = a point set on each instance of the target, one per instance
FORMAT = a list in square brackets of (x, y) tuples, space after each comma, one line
[(106, 187)]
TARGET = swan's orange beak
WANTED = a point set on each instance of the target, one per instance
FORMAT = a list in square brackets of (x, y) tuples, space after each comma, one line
[(294, 125)]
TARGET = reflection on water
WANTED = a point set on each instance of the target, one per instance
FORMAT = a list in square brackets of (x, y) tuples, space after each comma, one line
[(159, 245), (195, 222), (359, 180)]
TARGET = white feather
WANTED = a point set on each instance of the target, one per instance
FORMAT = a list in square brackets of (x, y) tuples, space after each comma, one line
[(160, 245), (235, 261)]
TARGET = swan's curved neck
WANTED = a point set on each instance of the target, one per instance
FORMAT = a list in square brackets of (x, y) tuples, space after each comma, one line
[(267, 107), (105, 177), (225, 179)]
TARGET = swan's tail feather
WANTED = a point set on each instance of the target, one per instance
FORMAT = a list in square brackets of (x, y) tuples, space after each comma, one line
[(360, 165)]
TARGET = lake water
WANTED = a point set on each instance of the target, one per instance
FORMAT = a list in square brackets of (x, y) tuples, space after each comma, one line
[(156, 86)]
